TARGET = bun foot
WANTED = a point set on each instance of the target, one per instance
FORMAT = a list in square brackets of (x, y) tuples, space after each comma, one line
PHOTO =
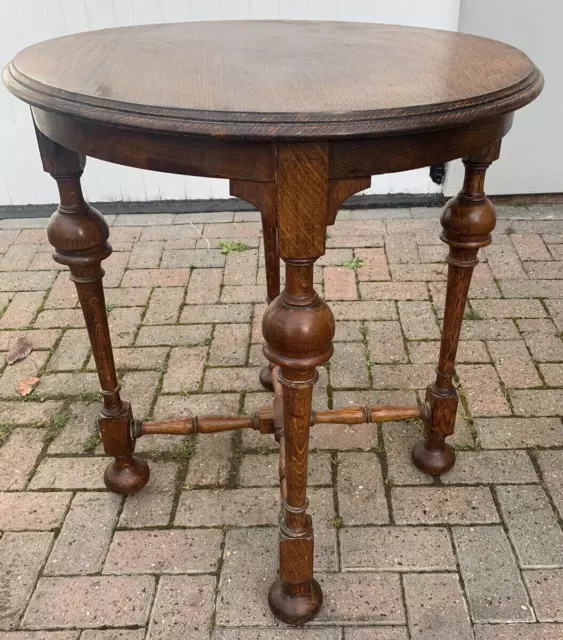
[(265, 377), (295, 603), (434, 460), (127, 475)]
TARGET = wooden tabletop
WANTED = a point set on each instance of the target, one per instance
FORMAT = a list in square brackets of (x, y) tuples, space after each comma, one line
[(275, 79)]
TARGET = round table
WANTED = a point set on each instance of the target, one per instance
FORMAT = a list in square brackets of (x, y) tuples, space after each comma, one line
[(298, 116)]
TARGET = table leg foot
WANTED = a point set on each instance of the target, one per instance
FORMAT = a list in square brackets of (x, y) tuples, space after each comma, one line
[(265, 377), (295, 603), (126, 475), (433, 457)]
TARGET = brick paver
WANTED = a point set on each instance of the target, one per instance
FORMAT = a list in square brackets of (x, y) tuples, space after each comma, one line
[(477, 554)]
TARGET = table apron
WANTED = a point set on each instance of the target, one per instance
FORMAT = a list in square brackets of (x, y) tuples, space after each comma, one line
[(256, 160), (169, 153), (375, 156)]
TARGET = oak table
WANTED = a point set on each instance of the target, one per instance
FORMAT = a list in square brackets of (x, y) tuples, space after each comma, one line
[(298, 116)]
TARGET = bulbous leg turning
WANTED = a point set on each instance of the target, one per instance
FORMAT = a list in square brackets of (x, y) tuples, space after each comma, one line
[(126, 475), (295, 603), (265, 377), (433, 457)]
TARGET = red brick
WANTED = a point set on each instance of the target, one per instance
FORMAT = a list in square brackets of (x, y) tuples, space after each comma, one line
[(504, 262), (233, 230), (59, 318), (146, 255), (183, 607), (367, 240), (340, 283), (356, 228), (402, 376), (170, 232), (540, 402), (394, 291), (331, 258), (243, 293), (520, 288), (90, 601), (124, 234), (364, 310), (481, 387), (229, 345), (545, 347), (241, 267), (402, 249), (514, 364), (164, 306), (71, 351), (348, 366), (385, 342), (185, 370), (123, 323), (22, 309), (26, 280), (18, 457), (200, 259), (443, 505), (204, 286), (552, 270), (530, 246), (21, 557), (30, 510), (18, 258), (156, 278), (418, 320), (418, 273), (375, 265), (490, 573), (63, 293), (508, 308), (232, 379)]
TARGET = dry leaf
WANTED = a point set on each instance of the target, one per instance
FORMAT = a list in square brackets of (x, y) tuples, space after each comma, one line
[(19, 350), (26, 386)]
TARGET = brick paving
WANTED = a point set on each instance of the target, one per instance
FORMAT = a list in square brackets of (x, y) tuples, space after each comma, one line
[(476, 555)]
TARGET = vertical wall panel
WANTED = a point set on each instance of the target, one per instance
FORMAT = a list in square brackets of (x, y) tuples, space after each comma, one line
[(323, 9), (74, 12), (205, 9), (293, 10), (145, 12), (176, 10), (32, 20), (99, 13), (264, 9), (234, 9), (23, 22), (354, 10), (122, 13), (55, 18)]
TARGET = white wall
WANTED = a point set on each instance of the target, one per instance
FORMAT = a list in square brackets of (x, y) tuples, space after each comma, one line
[(23, 22), (530, 160)]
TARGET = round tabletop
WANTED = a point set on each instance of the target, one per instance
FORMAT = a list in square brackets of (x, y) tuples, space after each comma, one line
[(275, 79)]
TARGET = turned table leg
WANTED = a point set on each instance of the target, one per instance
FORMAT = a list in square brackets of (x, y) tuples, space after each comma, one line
[(79, 234), (467, 222), (298, 329)]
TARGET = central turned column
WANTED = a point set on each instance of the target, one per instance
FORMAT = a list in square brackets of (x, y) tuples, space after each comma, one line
[(298, 328)]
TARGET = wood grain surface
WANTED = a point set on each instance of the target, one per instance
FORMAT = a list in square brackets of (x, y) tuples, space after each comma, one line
[(275, 79)]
